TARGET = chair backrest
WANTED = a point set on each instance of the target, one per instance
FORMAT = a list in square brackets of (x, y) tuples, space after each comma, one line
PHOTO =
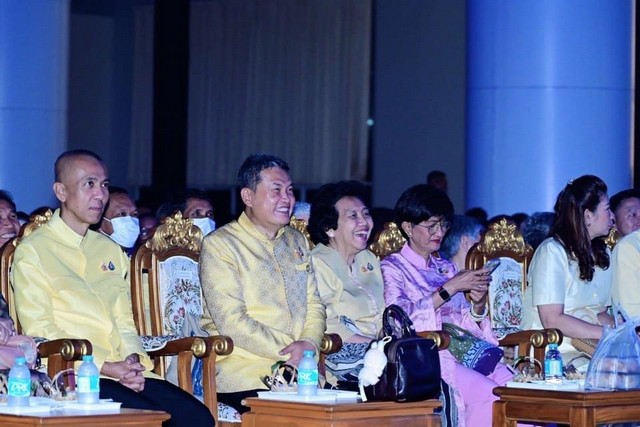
[(503, 240), (612, 238), (6, 259), (301, 226), (388, 241), (165, 284)]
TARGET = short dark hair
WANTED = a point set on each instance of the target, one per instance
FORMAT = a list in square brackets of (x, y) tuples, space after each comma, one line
[(461, 225), (421, 202), (538, 227), (191, 193), (618, 198), (478, 213), (57, 168), (113, 190), (7, 197), (117, 190), (435, 174), (324, 215), (249, 172)]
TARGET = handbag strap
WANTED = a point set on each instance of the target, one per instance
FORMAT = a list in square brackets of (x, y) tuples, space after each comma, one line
[(394, 315), (455, 330)]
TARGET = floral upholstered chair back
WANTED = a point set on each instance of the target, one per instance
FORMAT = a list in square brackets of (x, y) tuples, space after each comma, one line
[(165, 281), (503, 240), (167, 304)]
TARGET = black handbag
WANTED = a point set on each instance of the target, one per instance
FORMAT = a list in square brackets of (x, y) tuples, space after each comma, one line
[(413, 366)]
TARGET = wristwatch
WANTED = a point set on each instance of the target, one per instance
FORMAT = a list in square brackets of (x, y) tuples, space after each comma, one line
[(444, 294)]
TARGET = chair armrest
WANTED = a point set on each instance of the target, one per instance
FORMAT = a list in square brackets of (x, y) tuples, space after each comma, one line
[(536, 339), (441, 338), (199, 346), (62, 353), (331, 343), (205, 348)]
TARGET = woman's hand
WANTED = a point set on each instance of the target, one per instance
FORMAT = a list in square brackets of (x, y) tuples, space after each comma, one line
[(474, 281), (479, 299), (6, 330), (553, 316)]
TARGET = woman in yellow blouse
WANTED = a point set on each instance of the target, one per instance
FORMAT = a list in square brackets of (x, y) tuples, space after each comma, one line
[(348, 275)]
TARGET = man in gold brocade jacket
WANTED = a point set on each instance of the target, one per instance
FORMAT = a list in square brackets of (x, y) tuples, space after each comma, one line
[(258, 284)]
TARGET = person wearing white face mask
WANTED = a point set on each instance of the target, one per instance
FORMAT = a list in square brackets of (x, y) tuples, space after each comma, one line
[(120, 220), (197, 206)]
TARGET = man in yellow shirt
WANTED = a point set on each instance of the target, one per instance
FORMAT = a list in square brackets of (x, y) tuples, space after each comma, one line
[(70, 281), (258, 283)]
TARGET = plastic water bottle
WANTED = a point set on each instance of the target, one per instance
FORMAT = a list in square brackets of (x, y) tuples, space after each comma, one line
[(308, 375), (88, 381), (19, 388), (553, 363)]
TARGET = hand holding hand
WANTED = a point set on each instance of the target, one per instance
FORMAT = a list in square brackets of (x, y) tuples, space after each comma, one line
[(128, 372)]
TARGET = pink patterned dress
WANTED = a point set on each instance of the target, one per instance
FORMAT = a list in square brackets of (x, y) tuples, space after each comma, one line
[(409, 282)]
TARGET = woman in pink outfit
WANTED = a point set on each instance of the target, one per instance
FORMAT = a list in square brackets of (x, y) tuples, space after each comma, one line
[(432, 291)]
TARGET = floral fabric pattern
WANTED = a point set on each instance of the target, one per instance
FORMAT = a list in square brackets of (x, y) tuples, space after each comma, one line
[(505, 295), (181, 293)]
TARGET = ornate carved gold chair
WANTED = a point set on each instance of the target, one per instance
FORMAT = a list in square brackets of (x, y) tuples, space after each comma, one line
[(166, 293), (60, 354), (503, 240), (388, 241), (612, 238), (301, 226)]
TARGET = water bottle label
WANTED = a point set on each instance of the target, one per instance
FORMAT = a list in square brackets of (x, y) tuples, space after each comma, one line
[(88, 384), (19, 387), (307, 377), (553, 368)]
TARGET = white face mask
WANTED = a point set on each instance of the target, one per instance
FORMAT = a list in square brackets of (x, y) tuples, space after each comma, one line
[(206, 224), (126, 230)]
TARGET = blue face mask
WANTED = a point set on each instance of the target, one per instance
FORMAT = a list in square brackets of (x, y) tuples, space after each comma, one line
[(126, 230), (206, 225)]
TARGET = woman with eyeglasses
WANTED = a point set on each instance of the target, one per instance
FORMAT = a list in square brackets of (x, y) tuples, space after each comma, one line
[(432, 291)]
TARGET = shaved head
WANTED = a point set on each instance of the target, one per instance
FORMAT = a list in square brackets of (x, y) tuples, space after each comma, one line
[(63, 161)]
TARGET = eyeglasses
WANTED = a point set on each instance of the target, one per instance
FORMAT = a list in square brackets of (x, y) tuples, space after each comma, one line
[(443, 225)]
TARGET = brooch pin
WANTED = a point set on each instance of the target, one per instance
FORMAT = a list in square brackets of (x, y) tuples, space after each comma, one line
[(105, 266), (366, 268)]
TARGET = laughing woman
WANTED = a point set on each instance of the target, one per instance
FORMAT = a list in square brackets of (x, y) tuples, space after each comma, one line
[(348, 275)]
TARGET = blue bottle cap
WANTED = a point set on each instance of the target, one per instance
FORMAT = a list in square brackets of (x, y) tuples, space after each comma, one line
[(87, 358), (20, 360), (308, 353)]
